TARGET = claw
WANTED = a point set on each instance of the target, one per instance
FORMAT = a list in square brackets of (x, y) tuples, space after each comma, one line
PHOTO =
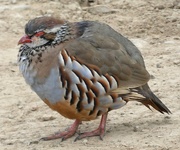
[(101, 137), (62, 139)]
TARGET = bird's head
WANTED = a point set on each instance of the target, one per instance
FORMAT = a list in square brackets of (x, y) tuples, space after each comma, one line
[(44, 31)]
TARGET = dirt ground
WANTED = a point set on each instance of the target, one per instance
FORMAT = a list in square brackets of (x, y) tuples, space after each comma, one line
[(153, 26)]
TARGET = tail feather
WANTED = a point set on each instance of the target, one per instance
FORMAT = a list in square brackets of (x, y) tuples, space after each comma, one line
[(144, 95)]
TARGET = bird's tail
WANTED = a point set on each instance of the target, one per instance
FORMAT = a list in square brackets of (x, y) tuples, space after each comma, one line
[(144, 95)]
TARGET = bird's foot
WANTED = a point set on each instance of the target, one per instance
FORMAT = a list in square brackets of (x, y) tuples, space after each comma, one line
[(98, 132), (64, 135)]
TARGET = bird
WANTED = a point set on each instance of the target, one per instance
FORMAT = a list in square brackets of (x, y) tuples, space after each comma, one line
[(83, 70)]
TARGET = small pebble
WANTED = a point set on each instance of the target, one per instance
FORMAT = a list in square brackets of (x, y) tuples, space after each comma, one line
[(167, 117), (9, 142), (11, 116), (33, 142), (35, 108), (152, 76), (85, 141), (47, 118), (159, 66), (127, 124), (136, 129), (20, 107), (160, 7), (176, 62), (100, 9)]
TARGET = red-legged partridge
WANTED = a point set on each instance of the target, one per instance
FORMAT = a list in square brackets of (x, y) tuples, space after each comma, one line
[(83, 70)]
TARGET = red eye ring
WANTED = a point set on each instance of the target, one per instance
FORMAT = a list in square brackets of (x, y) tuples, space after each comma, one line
[(40, 33)]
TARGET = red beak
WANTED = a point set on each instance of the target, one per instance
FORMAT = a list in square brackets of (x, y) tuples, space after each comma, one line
[(25, 39)]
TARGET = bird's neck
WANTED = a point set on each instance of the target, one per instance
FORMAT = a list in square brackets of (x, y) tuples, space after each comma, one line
[(70, 31), (65, 33)]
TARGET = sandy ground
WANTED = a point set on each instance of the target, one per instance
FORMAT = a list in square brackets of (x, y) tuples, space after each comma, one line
[(154, 26)]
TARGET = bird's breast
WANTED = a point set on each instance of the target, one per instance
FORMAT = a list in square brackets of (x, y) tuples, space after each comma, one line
[(49, 87)]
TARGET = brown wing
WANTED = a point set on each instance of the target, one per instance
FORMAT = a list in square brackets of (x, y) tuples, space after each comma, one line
[(111, 57), (102, 46)]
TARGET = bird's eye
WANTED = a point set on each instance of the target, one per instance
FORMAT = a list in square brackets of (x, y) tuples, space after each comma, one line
[(38, 34)]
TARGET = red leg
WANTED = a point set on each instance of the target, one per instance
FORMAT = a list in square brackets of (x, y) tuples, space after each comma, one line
[(66, 134), (100, 131)]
